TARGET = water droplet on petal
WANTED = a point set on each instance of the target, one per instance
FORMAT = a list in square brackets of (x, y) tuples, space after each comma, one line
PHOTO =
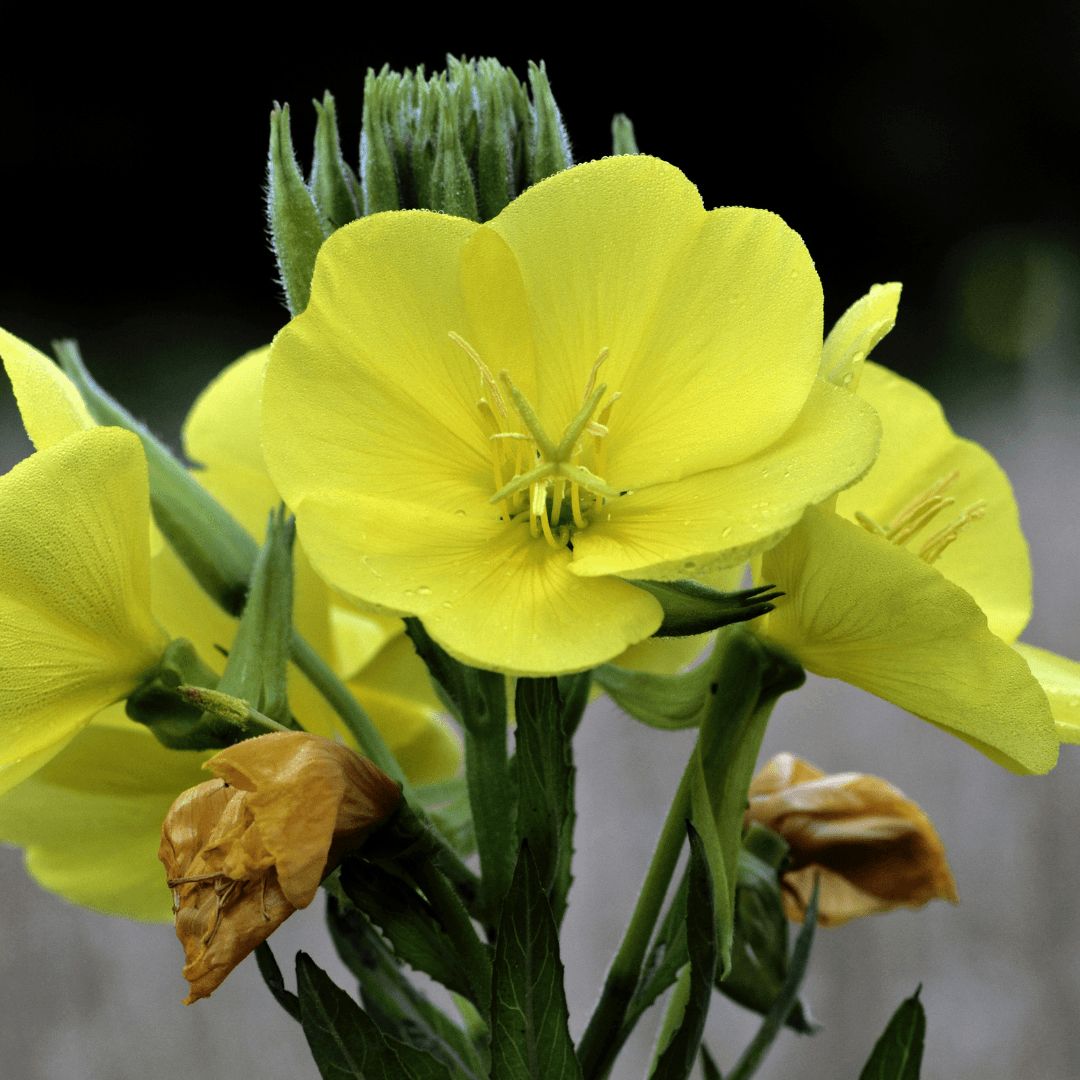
[(847, 378), (447, 604), (424, 590), (461, 512), (727, 531)]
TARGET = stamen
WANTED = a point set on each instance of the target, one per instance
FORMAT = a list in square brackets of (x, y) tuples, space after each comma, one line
[(870, 525), (575, 505), (599, 446), (557, 498), (552, 542), (592, 374), (485, 372), (920, 500), (932, 550), (923, 516)]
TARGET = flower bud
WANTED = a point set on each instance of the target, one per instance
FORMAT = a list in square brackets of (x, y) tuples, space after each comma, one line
[(244, 851), (874, 849)]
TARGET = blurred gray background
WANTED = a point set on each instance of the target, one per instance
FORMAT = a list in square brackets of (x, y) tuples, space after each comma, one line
[(930, 148)]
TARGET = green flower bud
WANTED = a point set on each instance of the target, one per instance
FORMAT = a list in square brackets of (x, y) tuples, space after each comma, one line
[(550, 146), (334, 186), (378, 177), (622, 135)]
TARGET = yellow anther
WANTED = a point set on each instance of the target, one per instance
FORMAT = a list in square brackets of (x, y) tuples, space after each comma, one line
[(485, 372), (932, 550), (592, 374), (548, 536), (870, 525), (922, 516), (557, 499), (920, 501), (575, 505), (593, 428)]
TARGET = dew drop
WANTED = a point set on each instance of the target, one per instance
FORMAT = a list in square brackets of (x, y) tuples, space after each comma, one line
[(847, 378), (408, 592), (447, 604), (460, 512), (794, 273), (423, 590), (727, 531), (764, 474)]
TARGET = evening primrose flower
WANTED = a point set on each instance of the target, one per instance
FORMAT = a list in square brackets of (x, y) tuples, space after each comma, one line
[(76, 630), (244, 851), (493, 427), (916, 581), (871, 848)]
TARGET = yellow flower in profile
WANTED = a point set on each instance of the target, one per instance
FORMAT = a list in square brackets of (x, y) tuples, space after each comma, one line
[(75, 625), (90, 818), (244, 851), (916, 581), (872, 848), (492, 427)]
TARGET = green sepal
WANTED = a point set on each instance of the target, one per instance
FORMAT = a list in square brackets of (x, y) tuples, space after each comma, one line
[(545, 777), (407, 921), (345, 1042), (400, 1010), (256, 669), (451, 188), (774, 1020), (378, 175), (530, 1034), (680, 1052), (622, 135), (275, 981), (550, 146), (495, 146), (525, 125), (334, 186), (296, 229), (897, 1055), (691, 608), (709, 1069), (213, 545), (477, 700)]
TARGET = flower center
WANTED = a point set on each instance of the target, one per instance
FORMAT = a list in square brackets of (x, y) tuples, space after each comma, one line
[(536, 477), (919, 513)]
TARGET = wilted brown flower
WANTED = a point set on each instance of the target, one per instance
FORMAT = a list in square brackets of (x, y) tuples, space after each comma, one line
[(873, 848), (244, 851)]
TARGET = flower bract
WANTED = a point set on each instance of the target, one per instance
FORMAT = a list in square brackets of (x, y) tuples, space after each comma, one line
[(493, 427)]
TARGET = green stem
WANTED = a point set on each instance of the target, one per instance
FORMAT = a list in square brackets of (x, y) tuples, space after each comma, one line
[(600, 1043)]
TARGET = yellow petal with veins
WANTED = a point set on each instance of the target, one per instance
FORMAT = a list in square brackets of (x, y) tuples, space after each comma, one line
[(856, 333), (877, 616), (1060, 679)]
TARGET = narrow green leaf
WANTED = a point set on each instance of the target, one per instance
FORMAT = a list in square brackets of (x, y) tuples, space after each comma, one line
[(897, 1055), (709, 1069), (407, 921), (275, 981), (401, 1011), (378, 177), (334, 186), (296, 232), (545, 775), (344, 1040), (551, 147), (477, 700), (691, 608), (530, 1036), (703, 815), (622, 135), (678, 1058), (754, 1054)]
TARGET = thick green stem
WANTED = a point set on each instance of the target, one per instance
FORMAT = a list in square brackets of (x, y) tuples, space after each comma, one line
[(599, 1044)]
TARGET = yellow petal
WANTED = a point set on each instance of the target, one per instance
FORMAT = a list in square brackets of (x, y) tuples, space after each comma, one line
[(90, 820), (366, 391), (877, 616), (488, 593), (990, 558), (51, 407), (706, 315), (719, 518), (75, 623), (1060, 679), (359, 636), (856, 333)]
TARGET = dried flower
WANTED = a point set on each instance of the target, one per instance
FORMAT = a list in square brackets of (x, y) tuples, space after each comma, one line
[(244, 851), (873, 848)]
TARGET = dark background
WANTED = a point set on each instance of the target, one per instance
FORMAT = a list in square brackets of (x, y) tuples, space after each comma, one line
[(932, 144)]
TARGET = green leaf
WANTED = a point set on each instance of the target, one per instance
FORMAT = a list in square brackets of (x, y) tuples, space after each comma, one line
[(530, 1036), (477, 700), (622, 135), (296, 232), (691, 608), (800, 960), (678, 1058), (334, 186), (550, 149), (447, 804), (545, 775), (709, 1069), (897, 1055), (344, 1040), (271, 973), (407, 921), (401, 1011), (702, 813), (378, 176)]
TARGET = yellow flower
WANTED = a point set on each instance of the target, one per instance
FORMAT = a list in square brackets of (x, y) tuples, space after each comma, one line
[(75, 625), (90, 819), (660, 411), (872, 848), (244, 851), (916, 583)]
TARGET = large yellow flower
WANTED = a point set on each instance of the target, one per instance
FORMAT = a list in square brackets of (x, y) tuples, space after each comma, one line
[(90, 819), (916, 581), (491, 426)]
